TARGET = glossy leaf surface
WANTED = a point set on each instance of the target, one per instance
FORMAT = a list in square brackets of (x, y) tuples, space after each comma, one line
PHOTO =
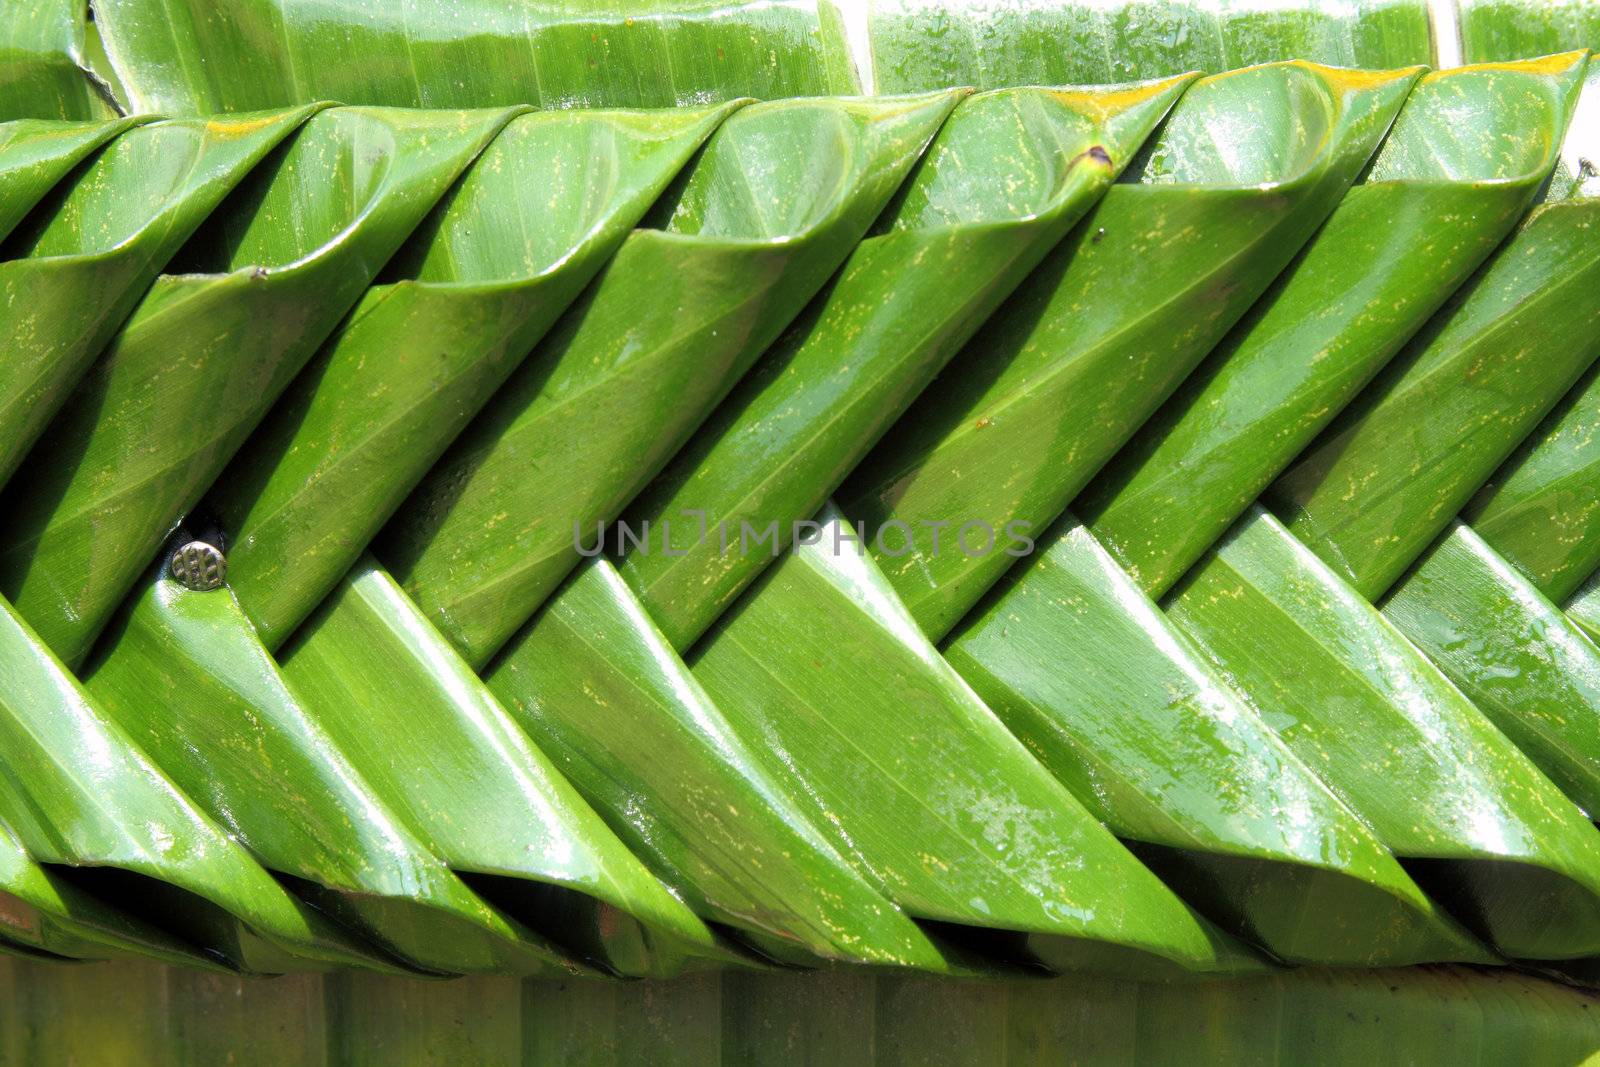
[(1458, 400), (71, 274), (917, 782), (270, 276), (1082, 353), (771, 208), (1512, 651), (202, 56), (1465, 157), (1478, 822), (427, 737), (82, 796), (923, 44), (1008, 175), (43, 72), (35, 154), (510, 247), (188, 680), (1127, 713), (597, 686)]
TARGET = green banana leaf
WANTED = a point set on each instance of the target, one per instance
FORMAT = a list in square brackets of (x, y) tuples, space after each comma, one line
[(770, 209), (598, 688), (1510, 29), (1466, 155), (1458, 400), (204, 56), (1510, 649), (107, 824), (1483, 829), (1005, 179), (924, 44), (35, 154), (43, 71), (1584, 608), (1084, 350), (1123, 709), (212, 345), (187, 680), (1541, 510), (76, 270), (920, 785), (419, 727), (464, 302)]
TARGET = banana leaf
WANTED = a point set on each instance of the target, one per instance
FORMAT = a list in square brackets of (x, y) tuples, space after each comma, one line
[(464, 302), (1126, 712), (1466, 155), (1005, 179), (1510, 29), (771, 208), (924, 44), (1477, 823), (1541, 510), (43, 65), (1458, 400), (1584, 608), (35, 154), (1528, 667), (1112, 321), (212, 345), (825, 676), (596, 685), (205, 56), (187, 680), (74, 272), (104, 823), (421, 730)]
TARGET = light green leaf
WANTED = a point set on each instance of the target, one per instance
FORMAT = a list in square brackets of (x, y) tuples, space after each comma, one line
[(464, 302), (209, 349), (770, 209), (1467, 153), (1005, 179), (74, 272), (1115, 318), (825, 676), (1124, 710)]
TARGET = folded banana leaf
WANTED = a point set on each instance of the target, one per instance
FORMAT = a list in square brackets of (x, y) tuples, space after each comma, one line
[(1541, 510), (1466, 156), (770, 209), (1478, 824), (1508, 647), (188, 681), (205, 56), (1080, 355), (210, 347), (43, 71), (924, 44), (465, 301), (1394, 468), (107, 825), (1584, 608), (1123, 709), (73, 273), (424, 734), (598, 688), (1005, 179), (920, 786), (35, 154)]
